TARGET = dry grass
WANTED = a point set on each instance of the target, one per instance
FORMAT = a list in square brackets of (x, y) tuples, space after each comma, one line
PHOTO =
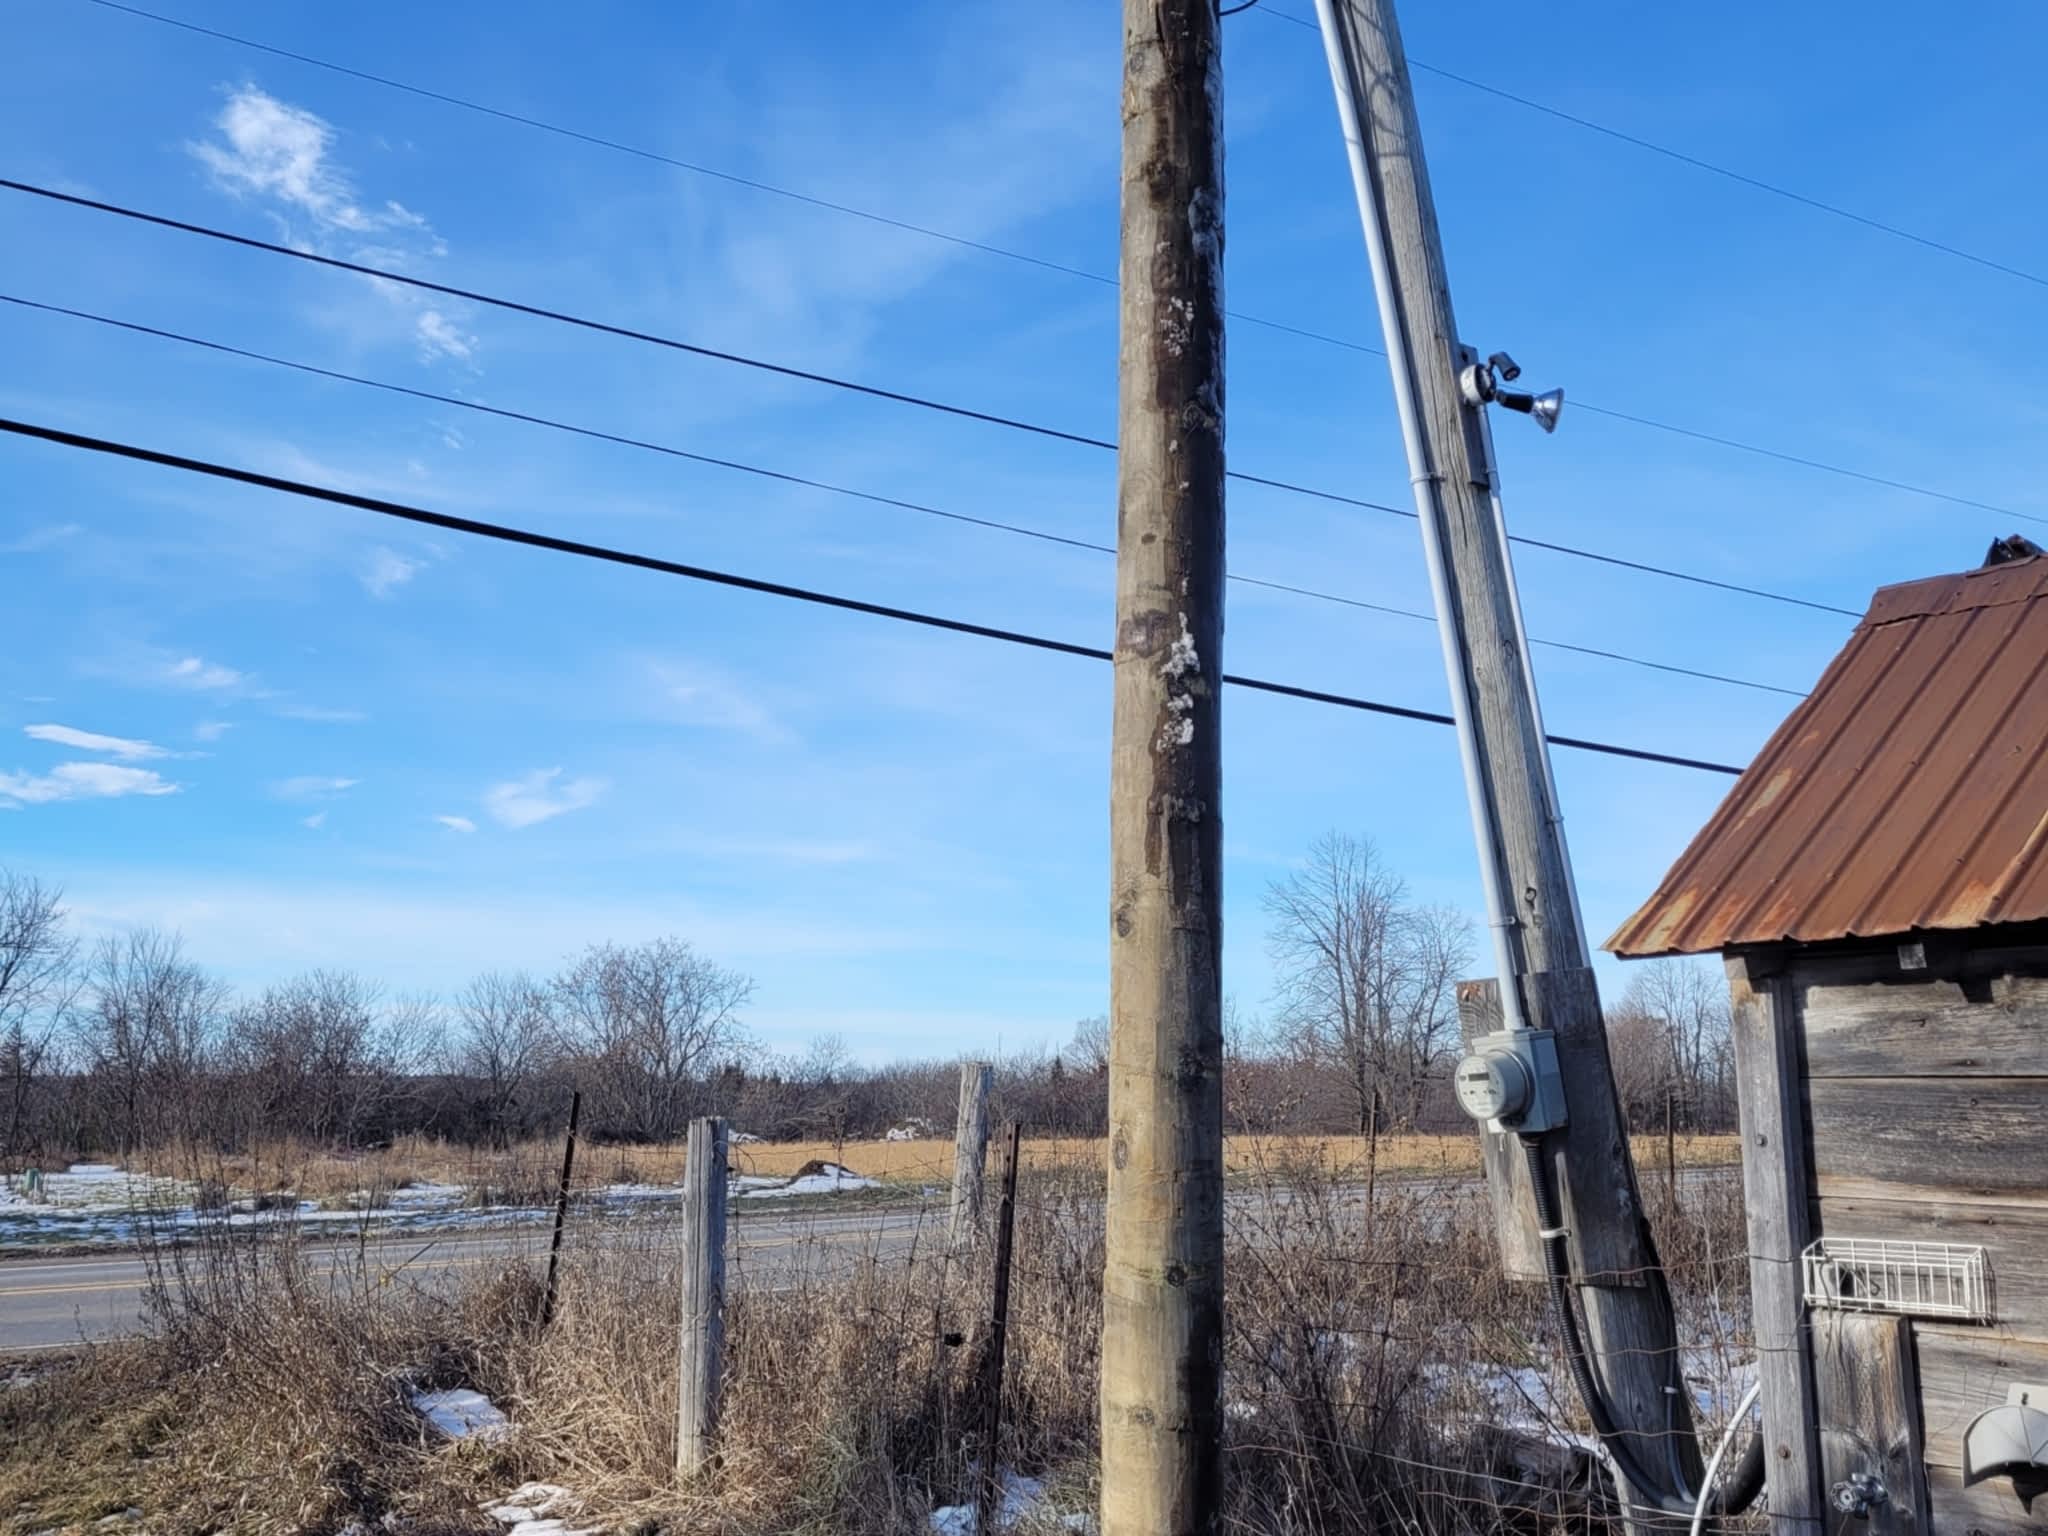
[(1365, 1340), (526, 1173)]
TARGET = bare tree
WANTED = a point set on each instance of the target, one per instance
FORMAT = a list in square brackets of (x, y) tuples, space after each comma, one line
[(1689, 1002), (150, 1017), (321, 1056), (1090, 1050), (504, 1036), (1366, 982), (649, 1023), (38, 981)]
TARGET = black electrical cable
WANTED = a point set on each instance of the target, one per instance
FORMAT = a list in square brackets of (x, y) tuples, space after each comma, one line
[(1636, 141), (551, 542), (987, 248), (1739, 1492), (694, 167), (628, 333), (669, 450)]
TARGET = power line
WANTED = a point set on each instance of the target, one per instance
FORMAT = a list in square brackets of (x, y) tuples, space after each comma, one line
[(783, 476), (250, 242), (695, 168), (1755, 183), (533, 540), (1006, 253)]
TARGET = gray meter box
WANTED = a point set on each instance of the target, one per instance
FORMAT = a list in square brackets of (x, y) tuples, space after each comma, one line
[(1511, 1081)]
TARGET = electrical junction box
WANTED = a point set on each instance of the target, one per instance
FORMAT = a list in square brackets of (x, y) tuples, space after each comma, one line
[(1511, 1081)]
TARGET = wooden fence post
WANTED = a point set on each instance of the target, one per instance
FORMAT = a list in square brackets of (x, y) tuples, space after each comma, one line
[(703, 1296), (991, 1491), (970, 1154), (547, 1303)]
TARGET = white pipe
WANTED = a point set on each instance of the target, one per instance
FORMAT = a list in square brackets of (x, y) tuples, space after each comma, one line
[(1699, 1510), (1553, 806), (1427, 484)]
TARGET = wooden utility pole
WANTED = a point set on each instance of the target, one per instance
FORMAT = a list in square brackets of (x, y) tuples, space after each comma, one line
[(970, 1155), (703, 1286), (1162, 1322), (1540, 946)]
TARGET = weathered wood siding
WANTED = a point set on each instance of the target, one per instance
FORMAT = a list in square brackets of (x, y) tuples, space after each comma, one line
[(1926, 1102)]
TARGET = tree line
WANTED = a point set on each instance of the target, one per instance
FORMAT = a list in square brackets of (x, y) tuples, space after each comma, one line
[(126, 1042)]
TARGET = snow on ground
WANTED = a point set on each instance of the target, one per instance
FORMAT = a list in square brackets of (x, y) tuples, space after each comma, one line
[(98, 1204), (539, 1509), (828, 1180), (461, 1414), (425, 1196), (1022, 1496)]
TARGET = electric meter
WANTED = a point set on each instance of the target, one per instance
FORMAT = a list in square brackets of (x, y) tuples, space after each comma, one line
[(1510, 1080)]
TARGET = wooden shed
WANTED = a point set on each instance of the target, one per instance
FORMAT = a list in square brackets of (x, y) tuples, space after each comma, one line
[(1877, 882)]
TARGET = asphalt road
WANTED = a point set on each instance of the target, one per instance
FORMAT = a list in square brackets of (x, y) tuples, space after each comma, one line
[(51, 1304)]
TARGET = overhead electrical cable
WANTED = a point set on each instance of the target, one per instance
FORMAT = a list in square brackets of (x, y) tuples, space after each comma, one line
[(994, 524), (1698, 163), (1006, 253), (534, 540), (629, 333)]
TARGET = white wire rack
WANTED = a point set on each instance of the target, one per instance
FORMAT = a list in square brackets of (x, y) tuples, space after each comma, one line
[(1875, 1274)]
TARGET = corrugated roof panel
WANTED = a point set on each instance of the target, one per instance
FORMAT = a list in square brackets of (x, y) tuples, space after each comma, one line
[(1908, 791)]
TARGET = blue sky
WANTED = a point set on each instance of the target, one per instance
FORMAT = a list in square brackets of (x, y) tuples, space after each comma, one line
[(345, 741)]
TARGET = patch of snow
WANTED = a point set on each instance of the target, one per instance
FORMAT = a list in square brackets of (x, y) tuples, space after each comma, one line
[(426, 1194), (460, 1413), (1020, 1496), (639, 1192), (830, 1180), (538, 1509)]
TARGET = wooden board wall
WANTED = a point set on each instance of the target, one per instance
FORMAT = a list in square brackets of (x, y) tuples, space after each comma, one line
[(1963, 1371), (1867, 1402), (1927, 1104), (1928, 1113)]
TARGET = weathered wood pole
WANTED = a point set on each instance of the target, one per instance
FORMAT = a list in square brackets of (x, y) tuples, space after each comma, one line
[(703, 1287), (970, 1155), (547, 1301), (1776, 1180), (1162, 1325), (1541, 946)]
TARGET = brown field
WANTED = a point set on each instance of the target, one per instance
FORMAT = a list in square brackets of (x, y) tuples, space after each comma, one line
[(1367, 1346), (528, 1172)]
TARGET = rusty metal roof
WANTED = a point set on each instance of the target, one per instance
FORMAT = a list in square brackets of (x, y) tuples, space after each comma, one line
[(1908, 791)]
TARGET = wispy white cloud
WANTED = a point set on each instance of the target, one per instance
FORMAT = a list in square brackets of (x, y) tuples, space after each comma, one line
[(315, 821), (283, 156), (387, 571), (196, 672), (270, 148), (540, 796), (700, 694), (212, 730), (127, 748), (439, 337), (38, 539), (82, 781), (457, 823), (319, 716), (311, 786)]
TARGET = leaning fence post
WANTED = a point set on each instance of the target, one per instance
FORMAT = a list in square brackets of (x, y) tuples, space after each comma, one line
[(989, 1494), (703, 1287), (970, 1152), (547, 1304)]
